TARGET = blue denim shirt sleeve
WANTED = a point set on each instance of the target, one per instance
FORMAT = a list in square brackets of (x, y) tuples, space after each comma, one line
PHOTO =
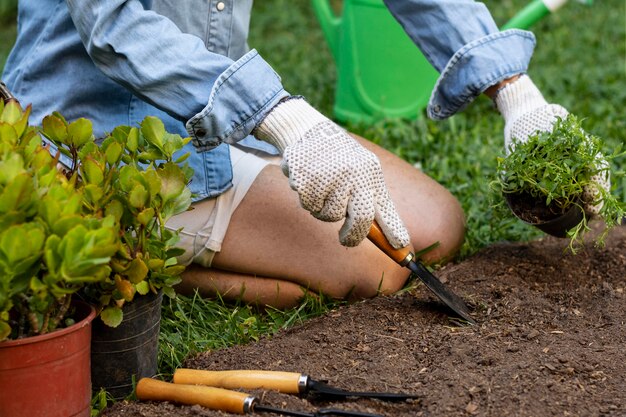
[(148, 54), (461, 40)]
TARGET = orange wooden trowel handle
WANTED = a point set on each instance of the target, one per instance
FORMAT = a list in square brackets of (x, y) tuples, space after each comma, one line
[(209, 397), (401, 256), (286, 382)]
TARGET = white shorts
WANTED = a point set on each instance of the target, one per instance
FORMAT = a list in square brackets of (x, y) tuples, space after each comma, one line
[(204, 227)]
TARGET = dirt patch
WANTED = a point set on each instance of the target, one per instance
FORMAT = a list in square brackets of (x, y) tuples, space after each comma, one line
[(551, 341)]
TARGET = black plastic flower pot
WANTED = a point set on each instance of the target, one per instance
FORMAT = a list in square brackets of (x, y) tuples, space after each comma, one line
[(556, 225), (128, 352)]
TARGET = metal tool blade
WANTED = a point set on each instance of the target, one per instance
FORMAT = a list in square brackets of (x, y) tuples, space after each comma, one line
[(320, 412), (280, 411), (324, 390), (441, 291)]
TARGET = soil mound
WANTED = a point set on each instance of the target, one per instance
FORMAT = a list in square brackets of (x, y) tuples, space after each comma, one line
[(551, 341)]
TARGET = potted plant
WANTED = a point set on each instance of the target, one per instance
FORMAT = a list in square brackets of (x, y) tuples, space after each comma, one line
[(50, 248), (548, 181), (134, 177)]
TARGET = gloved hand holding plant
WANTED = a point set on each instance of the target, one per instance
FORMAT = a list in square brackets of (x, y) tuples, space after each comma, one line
[(552, 160), (334, 175)]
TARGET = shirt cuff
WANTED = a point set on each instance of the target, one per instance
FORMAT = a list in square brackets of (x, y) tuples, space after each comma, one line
[(477, 66), (239, 100)]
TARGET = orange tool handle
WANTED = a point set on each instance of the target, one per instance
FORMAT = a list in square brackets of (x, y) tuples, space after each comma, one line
[(402, 256), (209, 397), (285, 382)]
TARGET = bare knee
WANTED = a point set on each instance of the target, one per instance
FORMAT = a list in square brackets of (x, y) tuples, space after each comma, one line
[(359, 287), (447, 229), (431, 213)]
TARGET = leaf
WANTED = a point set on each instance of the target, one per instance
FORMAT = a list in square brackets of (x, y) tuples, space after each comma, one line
[(148, 157), (113, 153), (138, 196), (115, 209), (63, 225), (182, 158), (93, 193), (172, 181), (173, 143), (177, 205), (152, 181), (125, 288), (127, 178), (80, 132), (153, 131), (12, 166), (93, 172), (36, 285), (146, 216), (132, 143), (5, 330), (55, 129), (112, 316), (8, 134), (175, 270), (21, 125), (137, 271), (143, 288), (18, 194), (22, 244), (169, 291), (12, 112), (52, 258)]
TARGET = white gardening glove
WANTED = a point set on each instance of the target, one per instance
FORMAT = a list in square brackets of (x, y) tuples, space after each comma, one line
[(525, 113), (333, 174)]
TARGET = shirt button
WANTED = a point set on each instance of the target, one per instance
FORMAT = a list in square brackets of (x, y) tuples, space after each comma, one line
[(437, 108), (220, 6)]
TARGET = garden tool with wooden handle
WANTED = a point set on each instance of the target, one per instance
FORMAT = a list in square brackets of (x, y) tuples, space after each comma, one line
[(223, 400), (285, 382), (406, 257)]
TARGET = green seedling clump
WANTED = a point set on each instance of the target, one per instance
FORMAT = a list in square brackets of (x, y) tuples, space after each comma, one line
[(557, 170)]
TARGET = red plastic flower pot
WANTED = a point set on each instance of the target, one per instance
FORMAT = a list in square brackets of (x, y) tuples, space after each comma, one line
[(48, 375)]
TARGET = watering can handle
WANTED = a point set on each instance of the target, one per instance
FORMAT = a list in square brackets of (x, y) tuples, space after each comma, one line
[(532, 13), (330, 24)]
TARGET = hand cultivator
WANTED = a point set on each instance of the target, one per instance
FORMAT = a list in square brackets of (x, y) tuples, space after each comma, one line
[(212, 389)]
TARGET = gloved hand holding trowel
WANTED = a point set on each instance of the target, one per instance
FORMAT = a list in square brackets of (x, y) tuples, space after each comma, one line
[(337, 178)]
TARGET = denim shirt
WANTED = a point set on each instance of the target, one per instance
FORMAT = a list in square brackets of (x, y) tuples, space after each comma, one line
[(461, 40), (187, 62)]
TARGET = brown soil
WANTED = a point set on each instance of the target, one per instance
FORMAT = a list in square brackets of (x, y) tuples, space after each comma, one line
[(551, 341), (533, 210)]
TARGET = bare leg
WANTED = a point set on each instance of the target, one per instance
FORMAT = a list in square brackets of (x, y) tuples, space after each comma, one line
[(274, 249), (255, 290)]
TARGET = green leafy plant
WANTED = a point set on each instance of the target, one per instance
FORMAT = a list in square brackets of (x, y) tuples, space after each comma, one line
[(133, 177), (547, 175), (49, 246)]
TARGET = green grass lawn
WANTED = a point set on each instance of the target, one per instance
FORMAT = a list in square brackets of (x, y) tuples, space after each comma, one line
[(579, 62)]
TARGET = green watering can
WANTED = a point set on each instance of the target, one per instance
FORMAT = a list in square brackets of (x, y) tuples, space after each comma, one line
[(381, 73)]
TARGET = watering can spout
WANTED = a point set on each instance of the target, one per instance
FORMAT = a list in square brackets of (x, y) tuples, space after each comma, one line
[(330, 24)]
